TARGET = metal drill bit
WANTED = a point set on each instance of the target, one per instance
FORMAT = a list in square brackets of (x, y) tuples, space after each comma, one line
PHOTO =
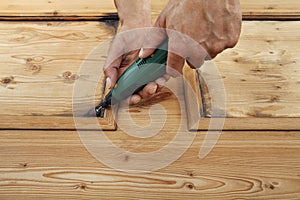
[(105, 103), (99, 110)]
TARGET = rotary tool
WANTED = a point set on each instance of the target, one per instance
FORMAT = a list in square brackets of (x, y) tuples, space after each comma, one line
[(135, 77)]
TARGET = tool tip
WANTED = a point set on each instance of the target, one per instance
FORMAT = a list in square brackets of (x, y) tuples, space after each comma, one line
[(100, 111)]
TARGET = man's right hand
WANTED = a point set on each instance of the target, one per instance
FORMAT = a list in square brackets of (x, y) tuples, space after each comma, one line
[(197, 30), (134, 16)]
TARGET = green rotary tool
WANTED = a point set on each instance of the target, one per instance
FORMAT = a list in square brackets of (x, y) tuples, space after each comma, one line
[(134, 79)]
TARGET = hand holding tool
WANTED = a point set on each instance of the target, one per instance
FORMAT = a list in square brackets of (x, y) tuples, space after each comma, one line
[(135, 77)]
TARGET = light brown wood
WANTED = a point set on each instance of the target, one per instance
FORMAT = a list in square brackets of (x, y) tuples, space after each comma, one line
[(199, 115), (243, 165), (95, 9), (261, 79), (41, 63), (57, 8), (258, 124), (270, 9), (193, 97), (261, 75), (27, 105), (40, 66)]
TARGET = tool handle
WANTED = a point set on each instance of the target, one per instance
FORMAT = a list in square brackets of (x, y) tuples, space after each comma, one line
[(140, 73)]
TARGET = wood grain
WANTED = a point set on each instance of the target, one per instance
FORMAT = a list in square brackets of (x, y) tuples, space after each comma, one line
[(261, 75), (95, 9), (41, 65), (198, 105), (193, 98), (270, 9), (243, 165)]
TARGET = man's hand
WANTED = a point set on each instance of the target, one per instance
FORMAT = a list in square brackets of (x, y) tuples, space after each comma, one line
[(214, 25), (133, 14)]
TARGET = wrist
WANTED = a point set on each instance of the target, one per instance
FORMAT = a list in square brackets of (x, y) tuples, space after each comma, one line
[(134, 13), (130, 23)]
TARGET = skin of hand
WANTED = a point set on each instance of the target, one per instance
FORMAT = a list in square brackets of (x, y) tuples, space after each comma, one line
[(133, 14), (214, 24)]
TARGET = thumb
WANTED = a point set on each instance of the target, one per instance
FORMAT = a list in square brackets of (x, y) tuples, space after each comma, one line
[(155, 36)]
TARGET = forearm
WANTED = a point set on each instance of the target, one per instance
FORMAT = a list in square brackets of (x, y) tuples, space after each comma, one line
[(134, 13)]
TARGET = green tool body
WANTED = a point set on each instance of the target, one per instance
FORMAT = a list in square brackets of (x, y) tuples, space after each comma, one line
[(138, 74)]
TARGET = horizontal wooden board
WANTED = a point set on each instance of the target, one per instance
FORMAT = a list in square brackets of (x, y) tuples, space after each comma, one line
[(199, 117), (243, 165), (259, 80), (41, 63), (261, 76), (270, 9), (93, 9)]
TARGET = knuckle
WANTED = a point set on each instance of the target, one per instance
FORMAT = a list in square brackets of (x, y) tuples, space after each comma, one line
[(233, 40), (216, 48)]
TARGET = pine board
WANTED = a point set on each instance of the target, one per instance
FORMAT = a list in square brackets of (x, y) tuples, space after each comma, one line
[(270, 9), (94, 9), (39, 97), (40, 63), (243, 165), (261, 75), (200, 117)]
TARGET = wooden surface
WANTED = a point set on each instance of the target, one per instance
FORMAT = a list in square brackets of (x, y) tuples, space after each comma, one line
[(261, 75), (270, 9), (37, 94), (95, 9), (36, 68), (193, 97), (243, 165), (40, 65), (199, 117)]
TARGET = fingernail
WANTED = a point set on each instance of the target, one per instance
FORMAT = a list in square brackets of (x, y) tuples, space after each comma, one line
[(135, 99), (108, 83), (141, 53), (153, 89)]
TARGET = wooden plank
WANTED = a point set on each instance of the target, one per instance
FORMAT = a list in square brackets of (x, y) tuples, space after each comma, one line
[(270, 9), (261, 76), (258, 124), (57, 8), (243, 165), (261, 79), (199, 120), (52, 49), (41, 65), (193, 97), (94, 9)]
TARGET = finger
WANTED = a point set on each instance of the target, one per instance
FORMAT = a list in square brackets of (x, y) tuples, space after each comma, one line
[(111, 73), (149, 90), (153, 38), (176, 54), (127, 60), (175, 65), (195, 64), (196, 56), (134, 99)]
